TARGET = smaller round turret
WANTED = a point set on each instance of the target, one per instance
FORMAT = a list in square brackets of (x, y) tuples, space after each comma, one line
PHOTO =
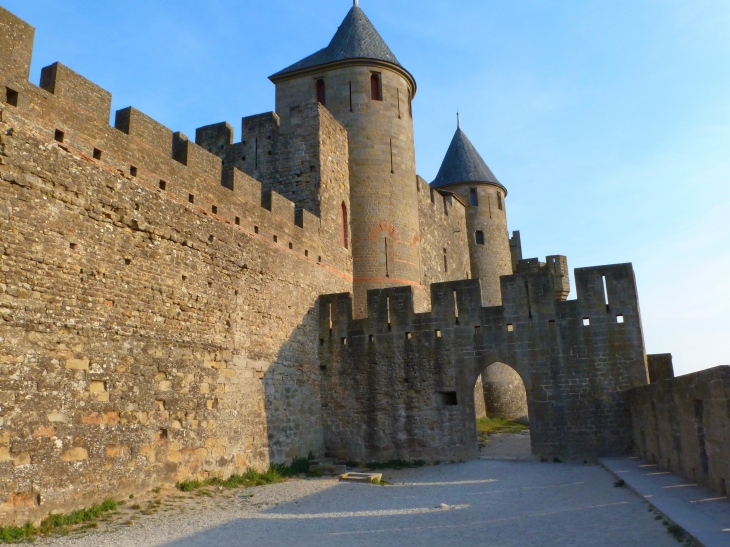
[(464, 172)]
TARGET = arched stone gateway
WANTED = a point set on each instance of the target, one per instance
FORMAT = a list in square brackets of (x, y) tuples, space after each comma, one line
[(400, 385), (503, 392)]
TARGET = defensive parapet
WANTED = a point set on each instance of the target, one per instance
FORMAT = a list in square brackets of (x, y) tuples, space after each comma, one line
[(399, 384), (71, 112)]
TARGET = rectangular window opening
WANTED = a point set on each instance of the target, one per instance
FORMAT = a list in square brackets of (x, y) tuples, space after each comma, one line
[(191, 198), (605, 292), (133, 170), (510, 327), (456, 308), (163, 185), (448, 398), (291, 246), (11, 96), (97, 154), (306, 252), (473, 197), (387, 304), (446, 262), (446, 206), (321, 92), (59, 135), (397, 94), (350, 96), (479, 237), (499, 201), (392, 168), (410, 104), (372, 338), (408, 336), (552, 323), (276, 239), (438, 333), (255, 229), (477, 329), (237, 221), (214, 209), (344, 341), (619, 319), (376, 87), (586, 321), (321, 341)]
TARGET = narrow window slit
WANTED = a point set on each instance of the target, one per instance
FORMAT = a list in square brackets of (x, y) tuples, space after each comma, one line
[(237, 221), (456, 308), (191, 198), (438, 333), (133, 170), (605, 293), (97, 154), (59, 135), (11, 96), (163, 185), (387, 303), (214, 209), (330, 318)]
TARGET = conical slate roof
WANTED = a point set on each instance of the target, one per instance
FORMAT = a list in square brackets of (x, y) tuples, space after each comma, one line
[(463, 164), (355, 39)]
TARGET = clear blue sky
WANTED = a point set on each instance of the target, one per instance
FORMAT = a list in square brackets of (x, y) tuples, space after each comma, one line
[(608, 121)]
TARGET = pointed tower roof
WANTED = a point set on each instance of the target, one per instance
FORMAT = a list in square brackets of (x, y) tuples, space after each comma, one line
[(463, 164), (355, 39)]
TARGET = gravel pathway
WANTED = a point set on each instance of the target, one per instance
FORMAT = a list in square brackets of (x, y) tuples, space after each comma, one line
[(479, 503), (507, 445)]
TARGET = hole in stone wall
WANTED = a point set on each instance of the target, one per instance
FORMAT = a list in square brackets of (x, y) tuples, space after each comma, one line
[(456, 308), (619, 319), (243, 158), (372, 339), (211, 238), (319, 259), (586, 321), (605, 292), (291, 246), (510, 327), (163, 185), (306, 252), (161, 435), (37, 500), (161, 405), (72, 246), (321, 341), (479, 237), (97, 154), (276, 239), (477, 328), (184, 277), (255, 229), (127, 261), (59, 135), (552, 322), (344, 341), (409, 336), (210, 284), (191, 198), (448, 398), (238, 221), (11, 96), (133, 171), (438, 333), (473, 197), (269, 152), (214, 209)]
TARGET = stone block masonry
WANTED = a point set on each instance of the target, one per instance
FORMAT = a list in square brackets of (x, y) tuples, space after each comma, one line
[(399, 384), (154, 324), (683, 425)]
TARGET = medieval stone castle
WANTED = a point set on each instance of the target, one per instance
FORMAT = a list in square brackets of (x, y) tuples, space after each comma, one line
[(173, 309)]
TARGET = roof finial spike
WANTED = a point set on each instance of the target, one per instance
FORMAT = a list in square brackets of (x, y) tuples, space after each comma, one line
[(458, 121), (355, 3)]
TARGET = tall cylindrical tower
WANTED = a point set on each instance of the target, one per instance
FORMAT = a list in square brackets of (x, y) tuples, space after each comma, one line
[(359, 80), (464, 172)]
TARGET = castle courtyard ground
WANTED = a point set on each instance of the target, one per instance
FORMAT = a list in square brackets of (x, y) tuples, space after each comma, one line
[(479, 503)]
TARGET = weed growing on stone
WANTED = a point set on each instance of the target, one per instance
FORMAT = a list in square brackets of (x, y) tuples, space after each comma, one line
[(489, 425), (58, 524), (276, 473)]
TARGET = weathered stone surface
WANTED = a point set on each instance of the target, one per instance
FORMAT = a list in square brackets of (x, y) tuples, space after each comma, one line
[(683, 424)]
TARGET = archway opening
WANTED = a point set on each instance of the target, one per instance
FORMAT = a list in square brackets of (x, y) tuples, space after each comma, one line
[(502, 416)]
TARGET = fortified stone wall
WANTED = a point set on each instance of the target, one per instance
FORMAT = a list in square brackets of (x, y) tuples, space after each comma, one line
[(154, 324), (444, 246), (683, 425), (399, 385)]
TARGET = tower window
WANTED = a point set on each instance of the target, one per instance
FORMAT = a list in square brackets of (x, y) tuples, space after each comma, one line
[(58, 135), (11, 96), (446, 262), (473, 197), (410, 106), (321, 92), (499, 201), (446, 206), (479, 237), (343, 221), (376, 87)]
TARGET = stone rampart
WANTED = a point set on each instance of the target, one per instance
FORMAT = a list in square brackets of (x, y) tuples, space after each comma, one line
[(155, 325), (399, 384), (683, 425)]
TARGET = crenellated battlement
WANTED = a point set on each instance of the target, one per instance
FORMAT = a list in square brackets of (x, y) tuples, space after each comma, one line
[(530, 299), (70, 111), (576, 358)]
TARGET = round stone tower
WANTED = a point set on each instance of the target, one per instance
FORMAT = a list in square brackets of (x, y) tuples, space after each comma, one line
[(359, 80), (465, 173)]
